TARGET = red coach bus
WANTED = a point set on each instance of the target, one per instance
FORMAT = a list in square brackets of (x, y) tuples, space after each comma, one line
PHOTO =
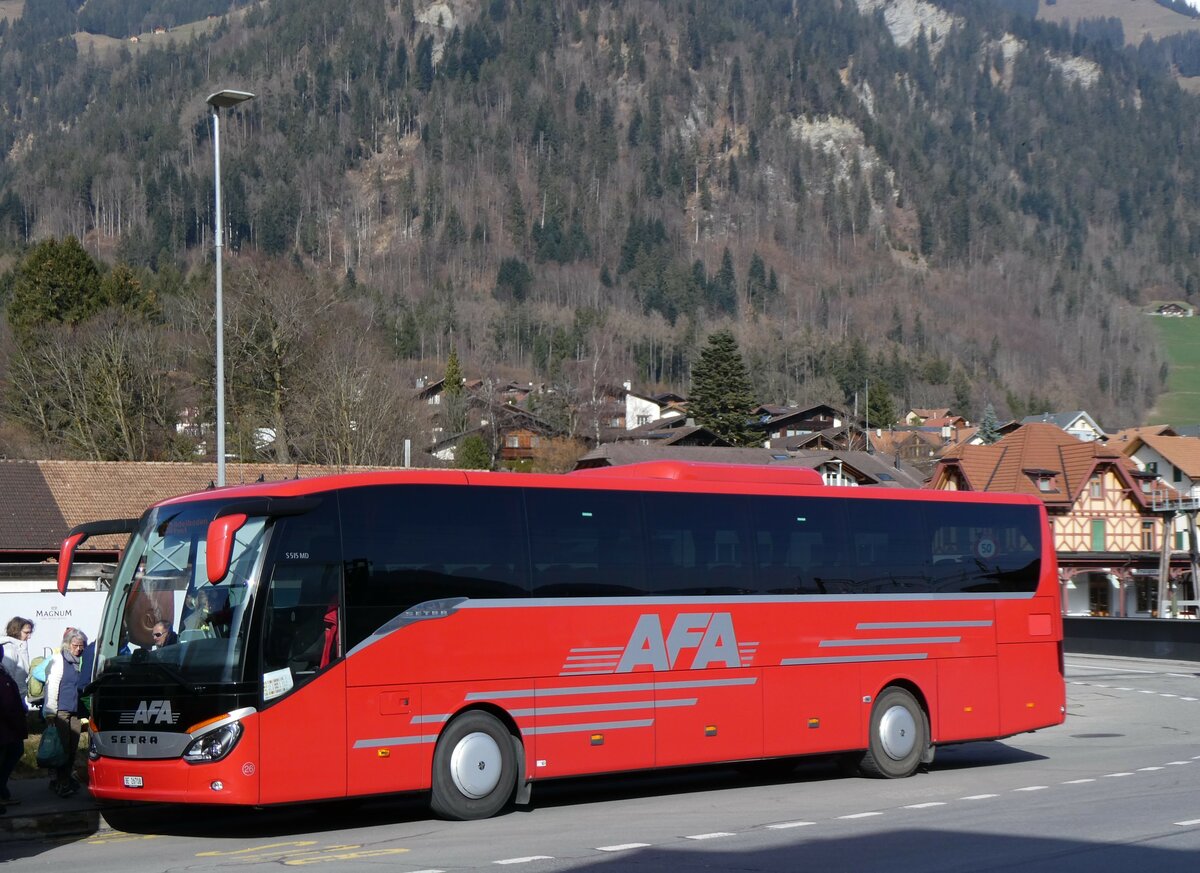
[(469, 634)]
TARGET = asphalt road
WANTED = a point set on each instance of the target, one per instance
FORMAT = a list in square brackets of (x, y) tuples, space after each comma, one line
[(1116, 788)]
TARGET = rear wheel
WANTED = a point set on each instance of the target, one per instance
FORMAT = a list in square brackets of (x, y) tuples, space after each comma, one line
[(474, 768), (899, 736)]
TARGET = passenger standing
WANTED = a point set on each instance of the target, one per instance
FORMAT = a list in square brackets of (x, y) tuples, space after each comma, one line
[(13, 730), (64, 691), (16, 651)]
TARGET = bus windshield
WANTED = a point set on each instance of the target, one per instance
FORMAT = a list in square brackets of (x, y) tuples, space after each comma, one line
[(164, 619)]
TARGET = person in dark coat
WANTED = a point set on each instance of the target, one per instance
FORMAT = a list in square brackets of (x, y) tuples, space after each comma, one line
[(13, 730)]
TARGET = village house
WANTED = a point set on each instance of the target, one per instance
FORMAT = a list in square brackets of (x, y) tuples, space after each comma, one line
[(1107, 530)]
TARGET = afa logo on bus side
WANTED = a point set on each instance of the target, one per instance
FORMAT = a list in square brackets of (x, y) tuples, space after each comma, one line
[(710, 634)]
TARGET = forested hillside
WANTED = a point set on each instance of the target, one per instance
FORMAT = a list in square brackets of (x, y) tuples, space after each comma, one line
[(955, 201)]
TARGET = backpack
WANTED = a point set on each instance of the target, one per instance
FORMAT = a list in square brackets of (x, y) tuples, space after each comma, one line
[(37, 677)]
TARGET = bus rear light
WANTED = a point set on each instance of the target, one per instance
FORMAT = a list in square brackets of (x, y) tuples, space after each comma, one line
[(214, 745)]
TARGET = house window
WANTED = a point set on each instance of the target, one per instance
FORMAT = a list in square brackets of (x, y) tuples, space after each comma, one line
[(1148, 536), (512, 441), (1180, 540), (1097, 486), (1097, 535), (1152, 467), (643, 419), (1045, 483), (1176, 474)]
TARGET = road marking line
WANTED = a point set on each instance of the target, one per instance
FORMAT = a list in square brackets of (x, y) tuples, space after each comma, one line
[(1193, 699), (924, 805), (215, 854), (1145, 691), (1078, 781), (1109, 669), (712, 836), (861, 815), (622, 848), (790, 824), (1032, 788), (343, 856), (1168, 695), (1124, 689), (1101, 686), (427, 871), (1196, 758), (979, 797), (1188, 823), (1147, 769), (1177, 763), (525, 860), (1115, 775)]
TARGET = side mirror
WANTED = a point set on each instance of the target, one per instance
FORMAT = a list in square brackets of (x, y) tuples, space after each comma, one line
[(219, 544), (66, 555)]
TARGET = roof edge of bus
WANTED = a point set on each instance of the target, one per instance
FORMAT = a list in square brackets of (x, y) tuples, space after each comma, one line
[(702, 471)]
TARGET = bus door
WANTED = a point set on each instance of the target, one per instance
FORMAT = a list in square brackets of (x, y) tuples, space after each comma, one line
[(303, 717)]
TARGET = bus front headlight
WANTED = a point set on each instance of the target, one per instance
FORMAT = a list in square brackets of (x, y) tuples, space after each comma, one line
[(214, 745)]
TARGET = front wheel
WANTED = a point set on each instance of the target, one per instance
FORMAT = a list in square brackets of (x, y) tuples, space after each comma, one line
[(899, 736), (474, 768)]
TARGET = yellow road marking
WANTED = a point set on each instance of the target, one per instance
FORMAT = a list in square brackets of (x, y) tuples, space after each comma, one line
[(344, 856), (214, 854)]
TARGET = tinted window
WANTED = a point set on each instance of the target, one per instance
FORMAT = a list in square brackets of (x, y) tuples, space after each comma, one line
[(697, 544), (405, 544), (584, 543), (985, 548), (799, 545), (889, 550)]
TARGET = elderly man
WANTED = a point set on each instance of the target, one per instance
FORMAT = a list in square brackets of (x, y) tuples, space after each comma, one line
[(64, 706)]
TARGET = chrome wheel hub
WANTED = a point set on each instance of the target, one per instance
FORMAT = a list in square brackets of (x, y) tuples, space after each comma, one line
[(475, 765), (897, 733)]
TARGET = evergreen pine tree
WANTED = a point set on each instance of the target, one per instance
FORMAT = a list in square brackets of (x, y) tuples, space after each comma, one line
[(721, 397), (989, 427), (473, 454)]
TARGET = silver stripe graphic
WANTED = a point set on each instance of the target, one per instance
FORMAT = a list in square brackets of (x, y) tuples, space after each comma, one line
[(609, 689), (394, 741), (612, 658), (895, 641), (604, 707), (525, 602), (590, 728), (855, 659), (589, 671), (905, 625), (430, 719), (600, 649)]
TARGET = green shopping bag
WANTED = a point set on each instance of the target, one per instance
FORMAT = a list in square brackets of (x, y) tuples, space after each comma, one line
[(51, 754)]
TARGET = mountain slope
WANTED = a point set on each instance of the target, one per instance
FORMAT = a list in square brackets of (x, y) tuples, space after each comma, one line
[(962, 214)]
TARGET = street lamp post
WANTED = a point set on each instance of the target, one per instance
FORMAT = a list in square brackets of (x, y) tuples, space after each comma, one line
[(218, 101)]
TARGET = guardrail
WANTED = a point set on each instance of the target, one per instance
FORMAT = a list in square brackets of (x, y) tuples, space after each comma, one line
[(1169, 639)]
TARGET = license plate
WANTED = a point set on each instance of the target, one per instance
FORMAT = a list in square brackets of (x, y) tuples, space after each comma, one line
[(133, 781)]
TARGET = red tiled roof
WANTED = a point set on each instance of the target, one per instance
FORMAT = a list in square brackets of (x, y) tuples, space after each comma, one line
[(45, 499), (1007, 465), (1183, 452)]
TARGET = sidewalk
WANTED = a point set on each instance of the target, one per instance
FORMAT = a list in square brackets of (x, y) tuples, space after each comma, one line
[(41, 813)]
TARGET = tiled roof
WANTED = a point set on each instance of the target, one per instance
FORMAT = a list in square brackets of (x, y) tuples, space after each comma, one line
[(1183, 452), (1006, 465), (45, 499), (880, 469)]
